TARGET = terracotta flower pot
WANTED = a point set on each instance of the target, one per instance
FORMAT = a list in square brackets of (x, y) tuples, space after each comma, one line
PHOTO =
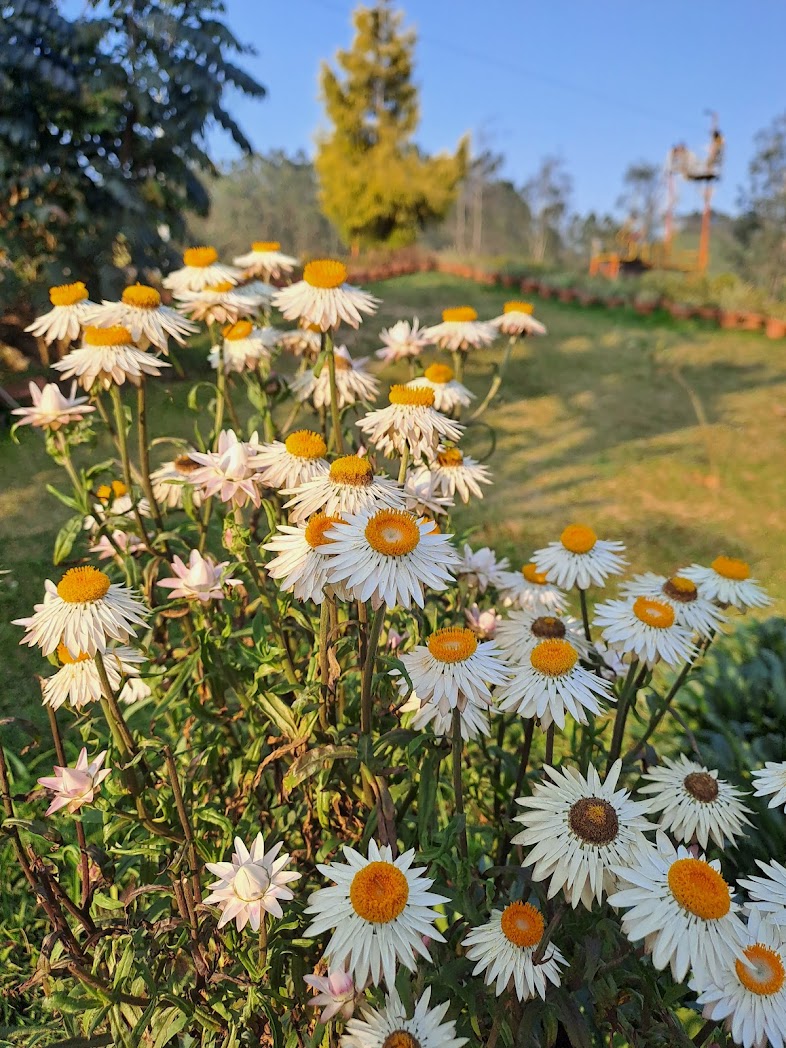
[(644, 309), (707, 312), (679, 310), (750, 321), (774, 328), (728, 319), (615, 301), (566, 294)]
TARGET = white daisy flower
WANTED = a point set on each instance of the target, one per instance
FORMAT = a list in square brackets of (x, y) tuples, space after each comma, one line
[(474, 720), (349, 486), (448, 393), (481, 568), (134, 690), (266, 260), (77, 682), (402, 341), (353, 383), (141, 311), (579, 830), (517, 320), (171, 480), (65, 319), (691, 611), (530, 590), (108, 355), (750, 994), (84, 612), (421, 495), (294, 461), (324, 298), (580, 558), (681, 906), (770, 781), (389, 556), (769, 892), (300, 566), (50, 409), (504, 948), (336, 994), (452, 665), (694, 803), (461, 330), (389, 1027), (644, 628), (201, 268), (244, 347), (522, 631), (409, 423), (73, 787), (380, 911), (230, 471), (302, 342), (253, 883), (200, 579), (458, 474), (551, 683), (221, 303), (727, 580)]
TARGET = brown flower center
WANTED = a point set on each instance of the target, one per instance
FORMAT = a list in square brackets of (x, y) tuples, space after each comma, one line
[(548, 627), (702, 786), (594, 820)]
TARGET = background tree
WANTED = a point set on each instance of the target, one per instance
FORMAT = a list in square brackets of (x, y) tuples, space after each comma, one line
[(641, 196), (375, 184), (103, 121), (761, 228), (548, 195)]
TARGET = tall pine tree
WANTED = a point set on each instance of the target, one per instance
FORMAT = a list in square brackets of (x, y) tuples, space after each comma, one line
[(376, 186)]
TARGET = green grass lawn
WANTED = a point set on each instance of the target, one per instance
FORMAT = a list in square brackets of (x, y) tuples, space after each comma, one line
[(667, 436)]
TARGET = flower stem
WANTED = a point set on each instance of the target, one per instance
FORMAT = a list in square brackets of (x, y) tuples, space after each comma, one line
[(458, 787), (504, 846), (549, 756), (335, 414), (497, 380), (545, 939), (402, 470), (144, 454), (368, 669), (122, 443), (84, 862), (221, 385), (585, 614), (623, 705)]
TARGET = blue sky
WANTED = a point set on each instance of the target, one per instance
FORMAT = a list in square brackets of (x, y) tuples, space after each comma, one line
[(602, 84)]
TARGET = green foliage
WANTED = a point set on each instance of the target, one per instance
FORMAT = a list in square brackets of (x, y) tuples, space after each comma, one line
[(762, 250), (102, 132), (375, 184)]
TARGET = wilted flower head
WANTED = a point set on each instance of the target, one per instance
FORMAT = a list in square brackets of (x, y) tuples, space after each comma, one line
[(201, 579), (402, 340), (481, 568), (51, 409), (73, 787), (484, 622), (229, 472), (336, 994)]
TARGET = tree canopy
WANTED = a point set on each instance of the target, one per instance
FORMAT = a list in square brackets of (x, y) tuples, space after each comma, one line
[(103, 121), (375, 184)]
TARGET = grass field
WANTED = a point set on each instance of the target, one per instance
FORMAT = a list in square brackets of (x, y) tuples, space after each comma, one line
[(668, 436)]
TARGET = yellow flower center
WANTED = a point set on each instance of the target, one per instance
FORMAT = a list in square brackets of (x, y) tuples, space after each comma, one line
[(352, 469), (83, 585), (393, 532), (553, 658), (200, 257), (594, 820), (221, 287), (522, 924), (379, 892), (731, 568), (699, 889), (68, 294), (265, 245), (66, 658), (413, 396), (306, 444), (653, 613), (108, 336), (578, 538), (116, 490), (450, 457), (235, 332), (459, 315), (401, 1039), (767, 975), (439, 373), (325, 273), (681, 589), (342, 363), (517, 307), (452, 644), (531, 574), (141, 296), (316, 528)]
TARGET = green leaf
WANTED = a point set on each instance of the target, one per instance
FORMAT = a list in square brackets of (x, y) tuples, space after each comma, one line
[(316, 759), (66, 537)]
